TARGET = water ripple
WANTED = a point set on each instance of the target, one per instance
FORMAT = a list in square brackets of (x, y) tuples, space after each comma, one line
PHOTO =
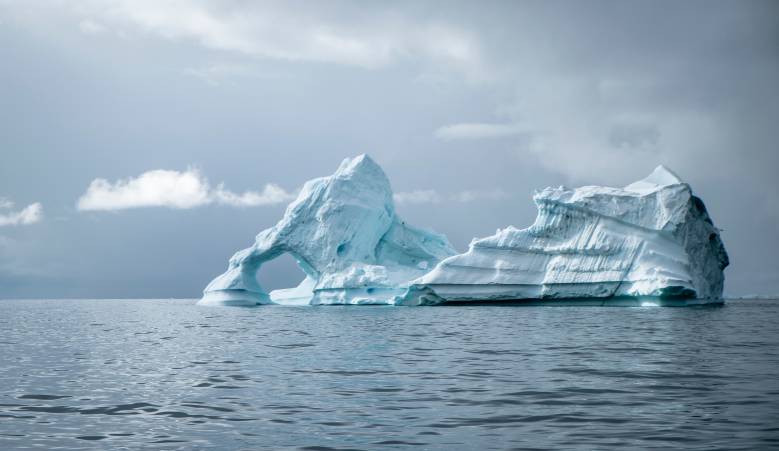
[(153, 374)]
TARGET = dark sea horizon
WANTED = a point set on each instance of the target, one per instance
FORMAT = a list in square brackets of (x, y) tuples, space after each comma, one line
[(166, 374)]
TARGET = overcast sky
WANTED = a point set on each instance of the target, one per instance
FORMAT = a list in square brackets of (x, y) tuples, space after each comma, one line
[(143, 142)]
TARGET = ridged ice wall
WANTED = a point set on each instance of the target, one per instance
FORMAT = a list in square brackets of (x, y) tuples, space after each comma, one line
[(650, 239)]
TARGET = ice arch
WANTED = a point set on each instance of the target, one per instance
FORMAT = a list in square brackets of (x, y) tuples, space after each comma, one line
[(243, 287), (346, 237)]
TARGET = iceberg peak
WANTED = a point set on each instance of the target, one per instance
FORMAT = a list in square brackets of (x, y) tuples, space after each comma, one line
[(361, 164), (658, 179)]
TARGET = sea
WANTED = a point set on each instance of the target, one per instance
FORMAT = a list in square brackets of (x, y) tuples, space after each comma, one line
[(165, 374)]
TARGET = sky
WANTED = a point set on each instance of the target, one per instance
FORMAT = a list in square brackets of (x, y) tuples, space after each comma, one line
[(143, 142)]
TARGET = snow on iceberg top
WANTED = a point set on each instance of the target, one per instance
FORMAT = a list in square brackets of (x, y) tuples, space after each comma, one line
[(658, 179)]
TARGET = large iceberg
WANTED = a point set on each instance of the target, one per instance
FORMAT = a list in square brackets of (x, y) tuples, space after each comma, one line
[(346, 237), (651, 241)]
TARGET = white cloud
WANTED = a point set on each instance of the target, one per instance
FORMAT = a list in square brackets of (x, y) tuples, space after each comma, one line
[(88, 26), (429, 196), (213, 74), (272, 194), (158, 188), (478, 131), (422, 196), (473, 195), (172, 189), (221, 73), (28, 215)]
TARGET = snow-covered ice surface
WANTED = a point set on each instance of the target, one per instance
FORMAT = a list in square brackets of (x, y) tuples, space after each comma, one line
[(650, 243), (345, 235)]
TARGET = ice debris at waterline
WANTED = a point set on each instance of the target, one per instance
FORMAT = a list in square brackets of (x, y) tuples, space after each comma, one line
[(649, 243)]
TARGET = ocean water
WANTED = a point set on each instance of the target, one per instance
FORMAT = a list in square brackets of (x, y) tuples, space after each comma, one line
[(165, 374)]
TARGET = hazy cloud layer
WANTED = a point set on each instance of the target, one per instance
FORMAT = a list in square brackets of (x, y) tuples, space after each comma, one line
[(336, 32), (477, 131), (172, 189)]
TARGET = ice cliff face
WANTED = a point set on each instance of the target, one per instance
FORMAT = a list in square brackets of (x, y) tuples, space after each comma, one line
[(652, 238), (345, 235)]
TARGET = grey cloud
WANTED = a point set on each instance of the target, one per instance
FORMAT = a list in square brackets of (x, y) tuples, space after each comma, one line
[(337, 33), (496, 97)]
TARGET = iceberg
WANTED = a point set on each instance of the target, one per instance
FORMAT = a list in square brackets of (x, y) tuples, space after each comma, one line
[(652, 242), (649, 243), (345, 235)]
